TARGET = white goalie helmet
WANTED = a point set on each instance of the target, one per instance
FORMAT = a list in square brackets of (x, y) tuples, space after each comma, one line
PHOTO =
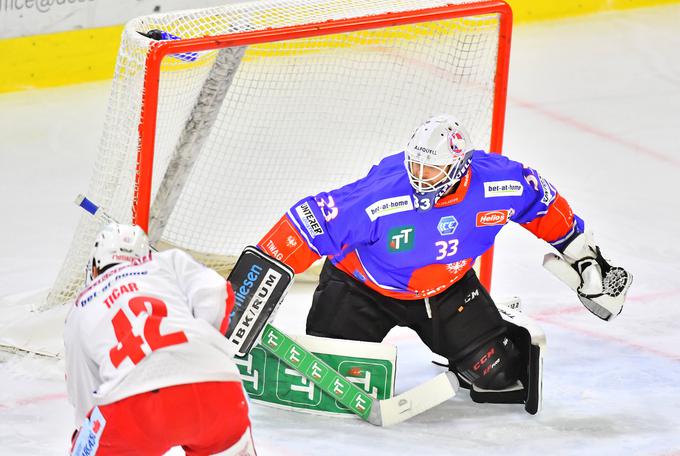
[(436, 157), (115, 244)]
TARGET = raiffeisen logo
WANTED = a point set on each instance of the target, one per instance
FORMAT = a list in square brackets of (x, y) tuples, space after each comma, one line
[(242, 291)]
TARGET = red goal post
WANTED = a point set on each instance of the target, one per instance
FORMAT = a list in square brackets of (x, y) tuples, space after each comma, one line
[(160, 49)]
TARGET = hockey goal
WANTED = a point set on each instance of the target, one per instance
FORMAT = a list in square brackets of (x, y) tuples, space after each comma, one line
[(212, 133)]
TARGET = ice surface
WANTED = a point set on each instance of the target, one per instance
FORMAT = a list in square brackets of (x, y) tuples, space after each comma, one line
[(594, 104)]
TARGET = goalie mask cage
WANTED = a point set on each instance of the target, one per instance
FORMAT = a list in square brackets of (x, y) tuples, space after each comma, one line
[(212, 134)]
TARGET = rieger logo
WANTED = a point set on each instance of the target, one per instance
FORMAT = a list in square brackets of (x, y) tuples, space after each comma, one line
[(491, 218), (447, 225), (309, 220), (389, 206), (502, 188), (400, 239)]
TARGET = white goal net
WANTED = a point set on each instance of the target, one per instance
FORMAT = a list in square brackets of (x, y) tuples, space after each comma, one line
[(278, 109)]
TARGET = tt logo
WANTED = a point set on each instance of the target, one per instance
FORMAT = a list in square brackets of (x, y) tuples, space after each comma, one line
[(402, 238)]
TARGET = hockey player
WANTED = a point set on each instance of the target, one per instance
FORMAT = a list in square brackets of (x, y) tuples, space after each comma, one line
[(400, 246), (147, 364)]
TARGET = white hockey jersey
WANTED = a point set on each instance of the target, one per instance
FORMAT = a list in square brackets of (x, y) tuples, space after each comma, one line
[(146, 325)]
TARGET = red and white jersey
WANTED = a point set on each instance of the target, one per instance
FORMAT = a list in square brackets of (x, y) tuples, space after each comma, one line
[(147, 325)]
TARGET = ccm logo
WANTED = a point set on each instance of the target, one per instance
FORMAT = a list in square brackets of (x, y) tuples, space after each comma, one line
[(487, 356), (490, 218)]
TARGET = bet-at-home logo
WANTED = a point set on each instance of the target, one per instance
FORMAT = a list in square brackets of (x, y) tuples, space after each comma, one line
[(400, 239), (502, 188)]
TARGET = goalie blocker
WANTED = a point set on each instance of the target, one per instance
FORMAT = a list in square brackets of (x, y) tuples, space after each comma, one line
[(260, 283)]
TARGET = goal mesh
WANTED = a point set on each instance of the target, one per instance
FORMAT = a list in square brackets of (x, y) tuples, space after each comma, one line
[(286, 119)]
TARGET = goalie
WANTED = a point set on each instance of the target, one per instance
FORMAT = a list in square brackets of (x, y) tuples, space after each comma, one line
[(400, 246)]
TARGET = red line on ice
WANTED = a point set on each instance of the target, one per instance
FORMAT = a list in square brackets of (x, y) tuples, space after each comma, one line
[(34, 400), (632, 298), (599, 335), (631, 145)]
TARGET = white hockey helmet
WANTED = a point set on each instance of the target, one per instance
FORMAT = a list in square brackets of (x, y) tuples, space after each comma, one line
[(115, 244), (437, 156)]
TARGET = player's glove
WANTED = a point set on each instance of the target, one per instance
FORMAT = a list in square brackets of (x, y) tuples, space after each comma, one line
[(600, 286)]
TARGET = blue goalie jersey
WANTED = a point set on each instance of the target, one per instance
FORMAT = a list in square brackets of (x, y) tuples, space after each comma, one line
[(373, 230)]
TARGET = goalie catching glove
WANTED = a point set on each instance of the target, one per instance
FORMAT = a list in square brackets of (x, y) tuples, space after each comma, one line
[(600, 286)]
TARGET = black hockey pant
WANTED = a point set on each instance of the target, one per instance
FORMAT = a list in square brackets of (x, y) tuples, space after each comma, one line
[(464, 316)]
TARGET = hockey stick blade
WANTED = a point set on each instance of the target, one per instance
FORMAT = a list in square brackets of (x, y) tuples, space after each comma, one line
[(415, 401)]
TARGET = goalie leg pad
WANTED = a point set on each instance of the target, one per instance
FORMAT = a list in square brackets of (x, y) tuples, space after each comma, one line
[(524, 363), (495, 365), (270, 381), (530, 340)]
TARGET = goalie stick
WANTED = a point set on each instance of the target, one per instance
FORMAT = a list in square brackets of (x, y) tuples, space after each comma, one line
[(383, 412)]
